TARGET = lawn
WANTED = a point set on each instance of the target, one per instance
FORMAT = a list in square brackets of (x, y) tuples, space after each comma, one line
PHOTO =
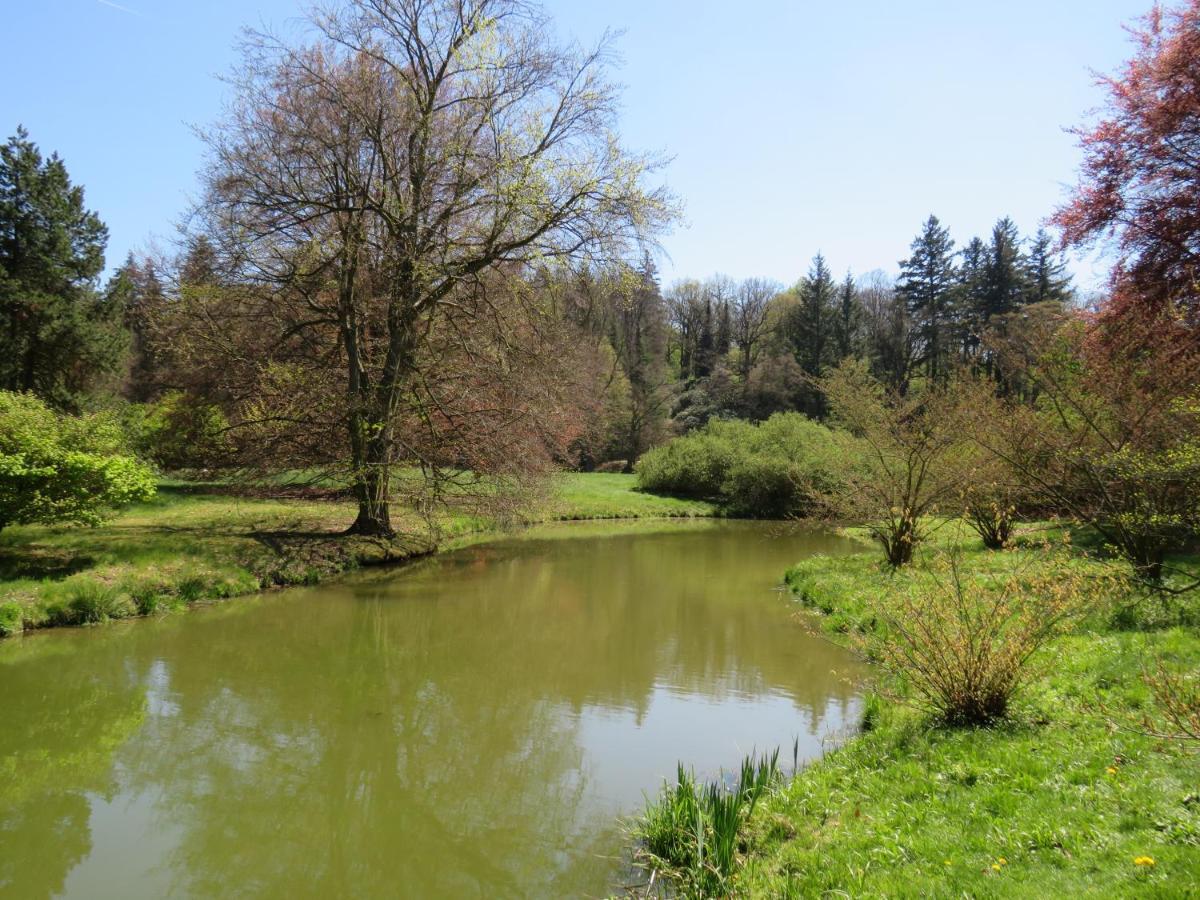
[(1068, 798), (201, 542)]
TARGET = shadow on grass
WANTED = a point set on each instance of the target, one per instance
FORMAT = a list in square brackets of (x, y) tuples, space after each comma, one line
[(256, 491), (38, 562)]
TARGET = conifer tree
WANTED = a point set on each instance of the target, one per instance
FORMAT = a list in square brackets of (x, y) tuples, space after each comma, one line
[(59, 334), (1047, 273), (1006, 282), (970, 298), (848, 317), (926, 285), (810, 320)]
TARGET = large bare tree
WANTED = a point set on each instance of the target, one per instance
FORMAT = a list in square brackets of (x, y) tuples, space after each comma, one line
[(388, 185)]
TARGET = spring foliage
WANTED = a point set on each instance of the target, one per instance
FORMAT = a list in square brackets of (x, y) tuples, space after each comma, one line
[(963, 641), (775, 469), (60, 468)]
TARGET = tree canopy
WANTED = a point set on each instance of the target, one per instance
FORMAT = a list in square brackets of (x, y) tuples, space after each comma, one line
[(59, 334)]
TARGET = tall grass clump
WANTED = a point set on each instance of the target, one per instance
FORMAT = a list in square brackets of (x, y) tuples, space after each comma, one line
[(961, 644), (775, 469), (91, 602), (11, 618), (691, 832)]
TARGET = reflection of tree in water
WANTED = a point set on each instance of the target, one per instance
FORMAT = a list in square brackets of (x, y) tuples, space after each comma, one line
[(605, 627), (64, 718), (417, 735), (352, 760)]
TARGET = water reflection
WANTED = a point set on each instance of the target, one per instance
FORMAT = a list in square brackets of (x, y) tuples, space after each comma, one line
[(471, 727)]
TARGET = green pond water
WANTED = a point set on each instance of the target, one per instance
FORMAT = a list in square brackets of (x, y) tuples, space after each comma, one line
[(474, 725)]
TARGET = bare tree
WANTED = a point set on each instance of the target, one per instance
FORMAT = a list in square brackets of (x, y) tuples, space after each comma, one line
[(389, 184), (751, 320), (888, 330)]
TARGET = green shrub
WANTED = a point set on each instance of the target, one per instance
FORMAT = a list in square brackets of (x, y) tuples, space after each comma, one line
[(179, 431), (775, 469), (60, 468), (764, 487), (11, 618), (691, 466)]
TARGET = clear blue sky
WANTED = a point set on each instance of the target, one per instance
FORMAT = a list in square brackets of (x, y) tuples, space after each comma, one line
[(795, 126)]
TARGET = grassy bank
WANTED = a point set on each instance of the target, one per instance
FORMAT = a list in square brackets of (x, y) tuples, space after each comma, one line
[(1068, 797), (197, 542)]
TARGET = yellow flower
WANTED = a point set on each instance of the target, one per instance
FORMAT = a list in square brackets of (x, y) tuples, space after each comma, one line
[(1143, 861), (1111, 770), (949, 862), (996, 866), (1003, 861)]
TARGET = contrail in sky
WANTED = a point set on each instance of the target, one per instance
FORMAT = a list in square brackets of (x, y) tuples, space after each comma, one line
[(126, 9)]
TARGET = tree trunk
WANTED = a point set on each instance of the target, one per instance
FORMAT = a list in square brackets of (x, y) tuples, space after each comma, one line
[(372, 487)]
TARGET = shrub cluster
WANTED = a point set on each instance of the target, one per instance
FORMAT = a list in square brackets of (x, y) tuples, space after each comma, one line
[(61, 468), (778, 468), (178, 431)]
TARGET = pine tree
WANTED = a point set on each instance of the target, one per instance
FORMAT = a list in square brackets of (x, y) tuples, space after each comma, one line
[(59, 335), (1006, 282), (926, 285), (145, 300), (1047, 273), (848, 317), (809, 321), (970, 298)]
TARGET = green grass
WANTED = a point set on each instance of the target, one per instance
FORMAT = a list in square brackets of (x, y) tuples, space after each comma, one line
[(1057, 801), (197, 542), (603, 495)]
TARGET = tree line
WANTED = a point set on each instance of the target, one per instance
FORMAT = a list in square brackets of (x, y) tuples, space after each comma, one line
[(418, 244)]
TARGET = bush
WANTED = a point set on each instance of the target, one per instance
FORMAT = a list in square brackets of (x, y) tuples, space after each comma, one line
[(179, 431), (692, 466), (60, 468), (962, 643), (911, 457), (1177, 695), (772, 470)]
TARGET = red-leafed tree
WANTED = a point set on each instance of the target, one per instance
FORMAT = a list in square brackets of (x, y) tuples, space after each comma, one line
[(1139, 187)]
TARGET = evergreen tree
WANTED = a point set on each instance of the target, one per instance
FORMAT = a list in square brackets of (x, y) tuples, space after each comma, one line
[(639, 338), (849, 314), (810, 320), (145, 299), (59, 335), (970, 298), (1006, 283), (926, 285), (1047, 273)]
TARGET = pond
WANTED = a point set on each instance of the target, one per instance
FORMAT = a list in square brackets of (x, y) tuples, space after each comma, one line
[(474, 725)]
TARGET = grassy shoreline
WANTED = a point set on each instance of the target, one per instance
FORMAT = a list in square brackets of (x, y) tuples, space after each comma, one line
[(1063, 799), (196, 543)]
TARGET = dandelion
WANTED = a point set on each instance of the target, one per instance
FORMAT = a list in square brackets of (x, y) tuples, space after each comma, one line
[(1111, 770), (1002, 861), (996, 866), (1146, 861)]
